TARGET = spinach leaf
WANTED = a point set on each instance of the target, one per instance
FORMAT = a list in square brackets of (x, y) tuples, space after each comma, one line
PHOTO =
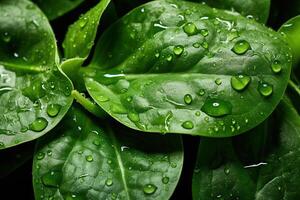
[(80, 38), (180, 67), (272, 174), (86, 160), (54, 9), (257, 9), (34, 93), (291, 31)]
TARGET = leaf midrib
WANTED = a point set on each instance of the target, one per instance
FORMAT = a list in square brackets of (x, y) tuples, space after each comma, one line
[(120, 162)]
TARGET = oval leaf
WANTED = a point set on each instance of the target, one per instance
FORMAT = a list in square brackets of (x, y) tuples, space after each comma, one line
[(34, 94), (258, 165), (86, 161), (182, 67)]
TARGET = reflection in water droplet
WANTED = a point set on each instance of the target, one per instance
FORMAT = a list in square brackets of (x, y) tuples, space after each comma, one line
[(40, 156), (89, 158), (165, 180), (188, 125), (276, 67), (178, 50), (240, 82), (190, 29), (188, 99), (204, 32), (109, 182), (39, 124), (241, 47), (265, 89), (218, 81), (53, 109), (216, 107), (149, 189)]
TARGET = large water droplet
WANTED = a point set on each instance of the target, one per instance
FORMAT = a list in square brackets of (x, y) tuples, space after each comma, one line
[(188, 125), (178, 50), (276, 67), (240, 82), (39, 124), (190, 29), (188, 99), (265, 89), (218, 81), (149, 189), (53, 109), (241, 47), (40, 156), (216, 107), (204, 45)]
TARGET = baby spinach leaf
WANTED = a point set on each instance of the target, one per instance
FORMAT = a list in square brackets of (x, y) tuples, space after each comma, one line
[(54, 9), (291, 31), (221, 173), (180, 67), (85, 160), (80, 38), (34, 94), (257, 9)]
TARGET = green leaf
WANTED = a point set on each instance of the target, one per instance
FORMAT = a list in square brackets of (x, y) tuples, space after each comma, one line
[(54, 9), (91, 161), (81, 35), (34, 94), (257, 9), (261, 165), (291, 31), (179, 67)]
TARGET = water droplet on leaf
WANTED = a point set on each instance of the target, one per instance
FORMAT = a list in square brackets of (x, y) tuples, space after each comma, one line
[(188, 125), (241, 47), (149, 189), (178, 50), (265, 89), (53, 109), (190, 29), (216, 107), (89, 158), (39, 124), (188, 99), (276, 67), (240, 82)]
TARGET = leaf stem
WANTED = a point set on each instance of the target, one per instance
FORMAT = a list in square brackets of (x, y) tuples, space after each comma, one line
[(294, 86), (88, 104)]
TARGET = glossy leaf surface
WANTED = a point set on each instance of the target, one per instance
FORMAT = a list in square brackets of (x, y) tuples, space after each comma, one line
[(261, 165), (179, 67), (85, 160), (257, 9), (34, 94), (54, 9)]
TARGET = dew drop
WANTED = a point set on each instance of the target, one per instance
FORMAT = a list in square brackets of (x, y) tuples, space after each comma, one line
[(6, 37), (39, 124), (202, 92), (196, 45), (190, 29), (169, 58), (226, 170), (241, 47), (149, 189), (53, 109), (216, 107), (89, 158), (240, 82), (165, 180), (265, 89), (204, 32), (188, 99), (109, 182), (204, 45), (178, 50), (102, 98), (276, 67), (40, 156), (218, 81), (188, 125)]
